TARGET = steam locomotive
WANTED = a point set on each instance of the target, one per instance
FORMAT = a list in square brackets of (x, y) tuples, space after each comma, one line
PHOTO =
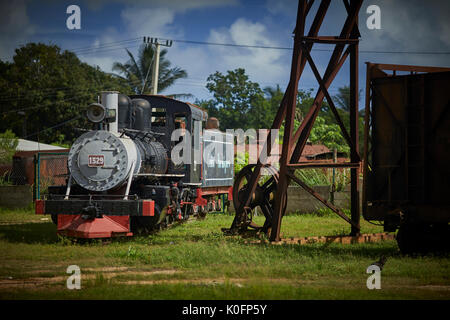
[(123, 178)]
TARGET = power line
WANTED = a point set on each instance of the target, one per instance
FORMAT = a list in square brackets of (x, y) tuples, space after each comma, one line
[(68, 91), (55, 126), (111, 46), (40, 89), (114, 43), (404, 52), (46, 96), (94, 51), (290, 48), (42, 106)]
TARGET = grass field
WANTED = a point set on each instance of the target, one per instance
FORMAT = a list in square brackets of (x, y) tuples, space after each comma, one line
[(195, 260)]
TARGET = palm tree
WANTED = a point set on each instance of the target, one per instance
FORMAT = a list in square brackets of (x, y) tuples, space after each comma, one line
[(343, 98), (138, 72)]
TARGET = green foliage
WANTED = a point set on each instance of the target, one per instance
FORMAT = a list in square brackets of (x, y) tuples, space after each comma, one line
[(45, 182), (324, 177), (240, 161), (4, 179), (328, 134), (8, 145), (326, 130), (313, 177), (274, 95), (60, 142), (50, 86), (138, 72), (342, 99), (238, 102)]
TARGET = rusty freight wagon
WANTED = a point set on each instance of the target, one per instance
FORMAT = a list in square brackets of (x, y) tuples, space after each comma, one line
[(407, 152)]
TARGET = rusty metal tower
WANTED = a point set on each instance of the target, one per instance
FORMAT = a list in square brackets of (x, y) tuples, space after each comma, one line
[(270, 195)]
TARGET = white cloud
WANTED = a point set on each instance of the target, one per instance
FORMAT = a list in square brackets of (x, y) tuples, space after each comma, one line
[(267, 67), (198, 63), (261, 64), (149, 21), (105, 56), (144, 18), (103, 62), (156, 17)]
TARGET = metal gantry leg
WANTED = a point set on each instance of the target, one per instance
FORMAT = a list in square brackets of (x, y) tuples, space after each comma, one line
[(346, 44), (354, 124)]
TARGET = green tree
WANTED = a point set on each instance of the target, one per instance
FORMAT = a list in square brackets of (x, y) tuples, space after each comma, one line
[(8, 145), (325, 130), (238, 102), (342, 99), (328, 134), (138, 72), (342, 102), (50, 87), (274, 96)]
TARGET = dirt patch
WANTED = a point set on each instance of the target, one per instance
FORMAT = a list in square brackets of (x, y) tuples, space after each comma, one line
[(105, 269), (12, 223), (237, 282), (106, 273), (25, 283), (37, 282)]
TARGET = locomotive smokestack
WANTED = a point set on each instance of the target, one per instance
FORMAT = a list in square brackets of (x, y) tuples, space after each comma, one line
[(110, 100)]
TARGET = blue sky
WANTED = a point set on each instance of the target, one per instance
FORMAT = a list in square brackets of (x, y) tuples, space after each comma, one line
[(413, 26)]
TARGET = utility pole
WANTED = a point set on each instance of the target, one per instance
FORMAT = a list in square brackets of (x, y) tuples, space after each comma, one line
[(156, 70), (155, 75)]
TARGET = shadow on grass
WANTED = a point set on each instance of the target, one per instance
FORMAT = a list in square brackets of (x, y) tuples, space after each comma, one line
[(29, 233), (370, 250)]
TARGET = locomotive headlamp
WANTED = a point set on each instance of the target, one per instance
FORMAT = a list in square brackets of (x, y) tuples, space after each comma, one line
[(96, 112)]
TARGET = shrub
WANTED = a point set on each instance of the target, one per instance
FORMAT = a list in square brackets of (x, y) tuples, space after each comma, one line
[(324, 177), (8, 145)]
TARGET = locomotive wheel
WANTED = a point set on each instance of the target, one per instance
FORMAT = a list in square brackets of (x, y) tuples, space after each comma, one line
[(143, 225), (263, 197)]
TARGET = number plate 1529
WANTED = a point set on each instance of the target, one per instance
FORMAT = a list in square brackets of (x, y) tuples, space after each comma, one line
[(96, 161)]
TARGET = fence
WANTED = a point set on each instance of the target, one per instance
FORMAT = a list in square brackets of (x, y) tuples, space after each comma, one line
[(19, 172), (50, 170)]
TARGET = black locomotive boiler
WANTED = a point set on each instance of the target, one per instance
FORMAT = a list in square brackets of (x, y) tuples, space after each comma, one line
[(122, 178)]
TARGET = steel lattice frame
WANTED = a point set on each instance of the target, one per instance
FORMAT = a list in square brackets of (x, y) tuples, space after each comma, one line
[(346, 44)]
